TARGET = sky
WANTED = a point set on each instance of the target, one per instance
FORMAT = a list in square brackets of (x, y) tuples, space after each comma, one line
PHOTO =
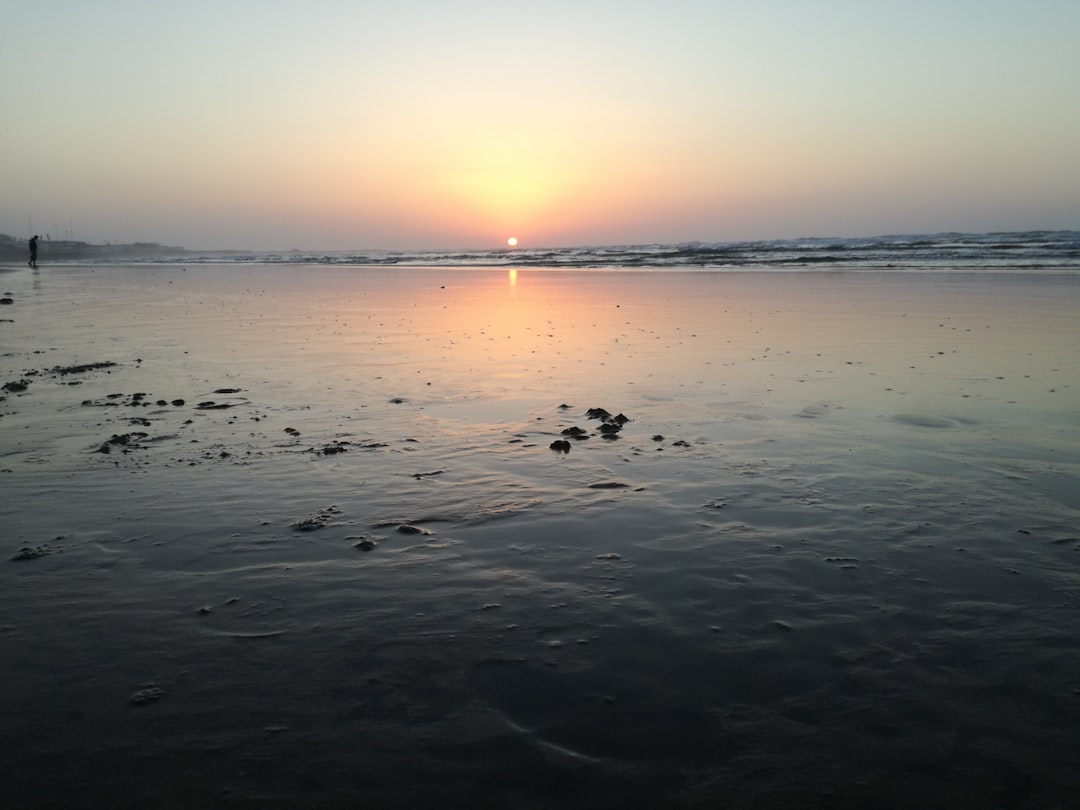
[(435, 124)]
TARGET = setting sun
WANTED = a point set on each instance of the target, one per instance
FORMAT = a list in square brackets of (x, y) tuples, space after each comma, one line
[(512, 241)]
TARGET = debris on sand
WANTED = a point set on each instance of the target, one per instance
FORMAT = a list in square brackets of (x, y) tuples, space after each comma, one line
[(430, 474), (82, 368), (30, 553), (318, 520), (128, 441), (408, 528), (148, 694)]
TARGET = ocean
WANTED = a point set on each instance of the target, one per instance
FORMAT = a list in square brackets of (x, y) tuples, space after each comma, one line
[(1027, 252)]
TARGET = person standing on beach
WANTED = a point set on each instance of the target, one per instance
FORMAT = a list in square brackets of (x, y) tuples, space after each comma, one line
[(33, 252)]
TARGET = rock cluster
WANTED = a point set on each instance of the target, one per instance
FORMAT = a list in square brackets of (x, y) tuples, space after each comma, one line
[(610, 425)]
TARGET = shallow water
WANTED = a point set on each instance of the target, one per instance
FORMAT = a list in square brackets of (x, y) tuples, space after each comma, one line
[(831, 561)]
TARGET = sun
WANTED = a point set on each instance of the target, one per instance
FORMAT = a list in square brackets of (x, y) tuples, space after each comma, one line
[(512, 241)]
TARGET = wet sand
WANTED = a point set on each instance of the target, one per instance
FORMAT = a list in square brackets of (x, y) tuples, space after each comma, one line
[(297, 537)]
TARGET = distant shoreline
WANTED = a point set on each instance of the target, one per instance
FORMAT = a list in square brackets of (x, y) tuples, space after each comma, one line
[(66, 250)]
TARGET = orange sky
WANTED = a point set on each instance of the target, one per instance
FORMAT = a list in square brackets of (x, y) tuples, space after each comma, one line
[(421, 124)]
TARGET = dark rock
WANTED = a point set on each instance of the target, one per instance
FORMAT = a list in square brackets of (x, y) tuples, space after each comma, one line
[(560, 446)]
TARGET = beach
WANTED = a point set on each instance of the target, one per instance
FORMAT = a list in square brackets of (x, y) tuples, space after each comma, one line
[(334, 536)]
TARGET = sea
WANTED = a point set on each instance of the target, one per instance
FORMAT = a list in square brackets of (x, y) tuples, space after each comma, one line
[(1022, 252)]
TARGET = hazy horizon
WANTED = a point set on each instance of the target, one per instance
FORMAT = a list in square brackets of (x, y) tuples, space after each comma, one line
[(424, 125)]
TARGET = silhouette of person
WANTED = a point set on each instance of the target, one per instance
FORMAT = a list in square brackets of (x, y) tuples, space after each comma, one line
[(33, 252)]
